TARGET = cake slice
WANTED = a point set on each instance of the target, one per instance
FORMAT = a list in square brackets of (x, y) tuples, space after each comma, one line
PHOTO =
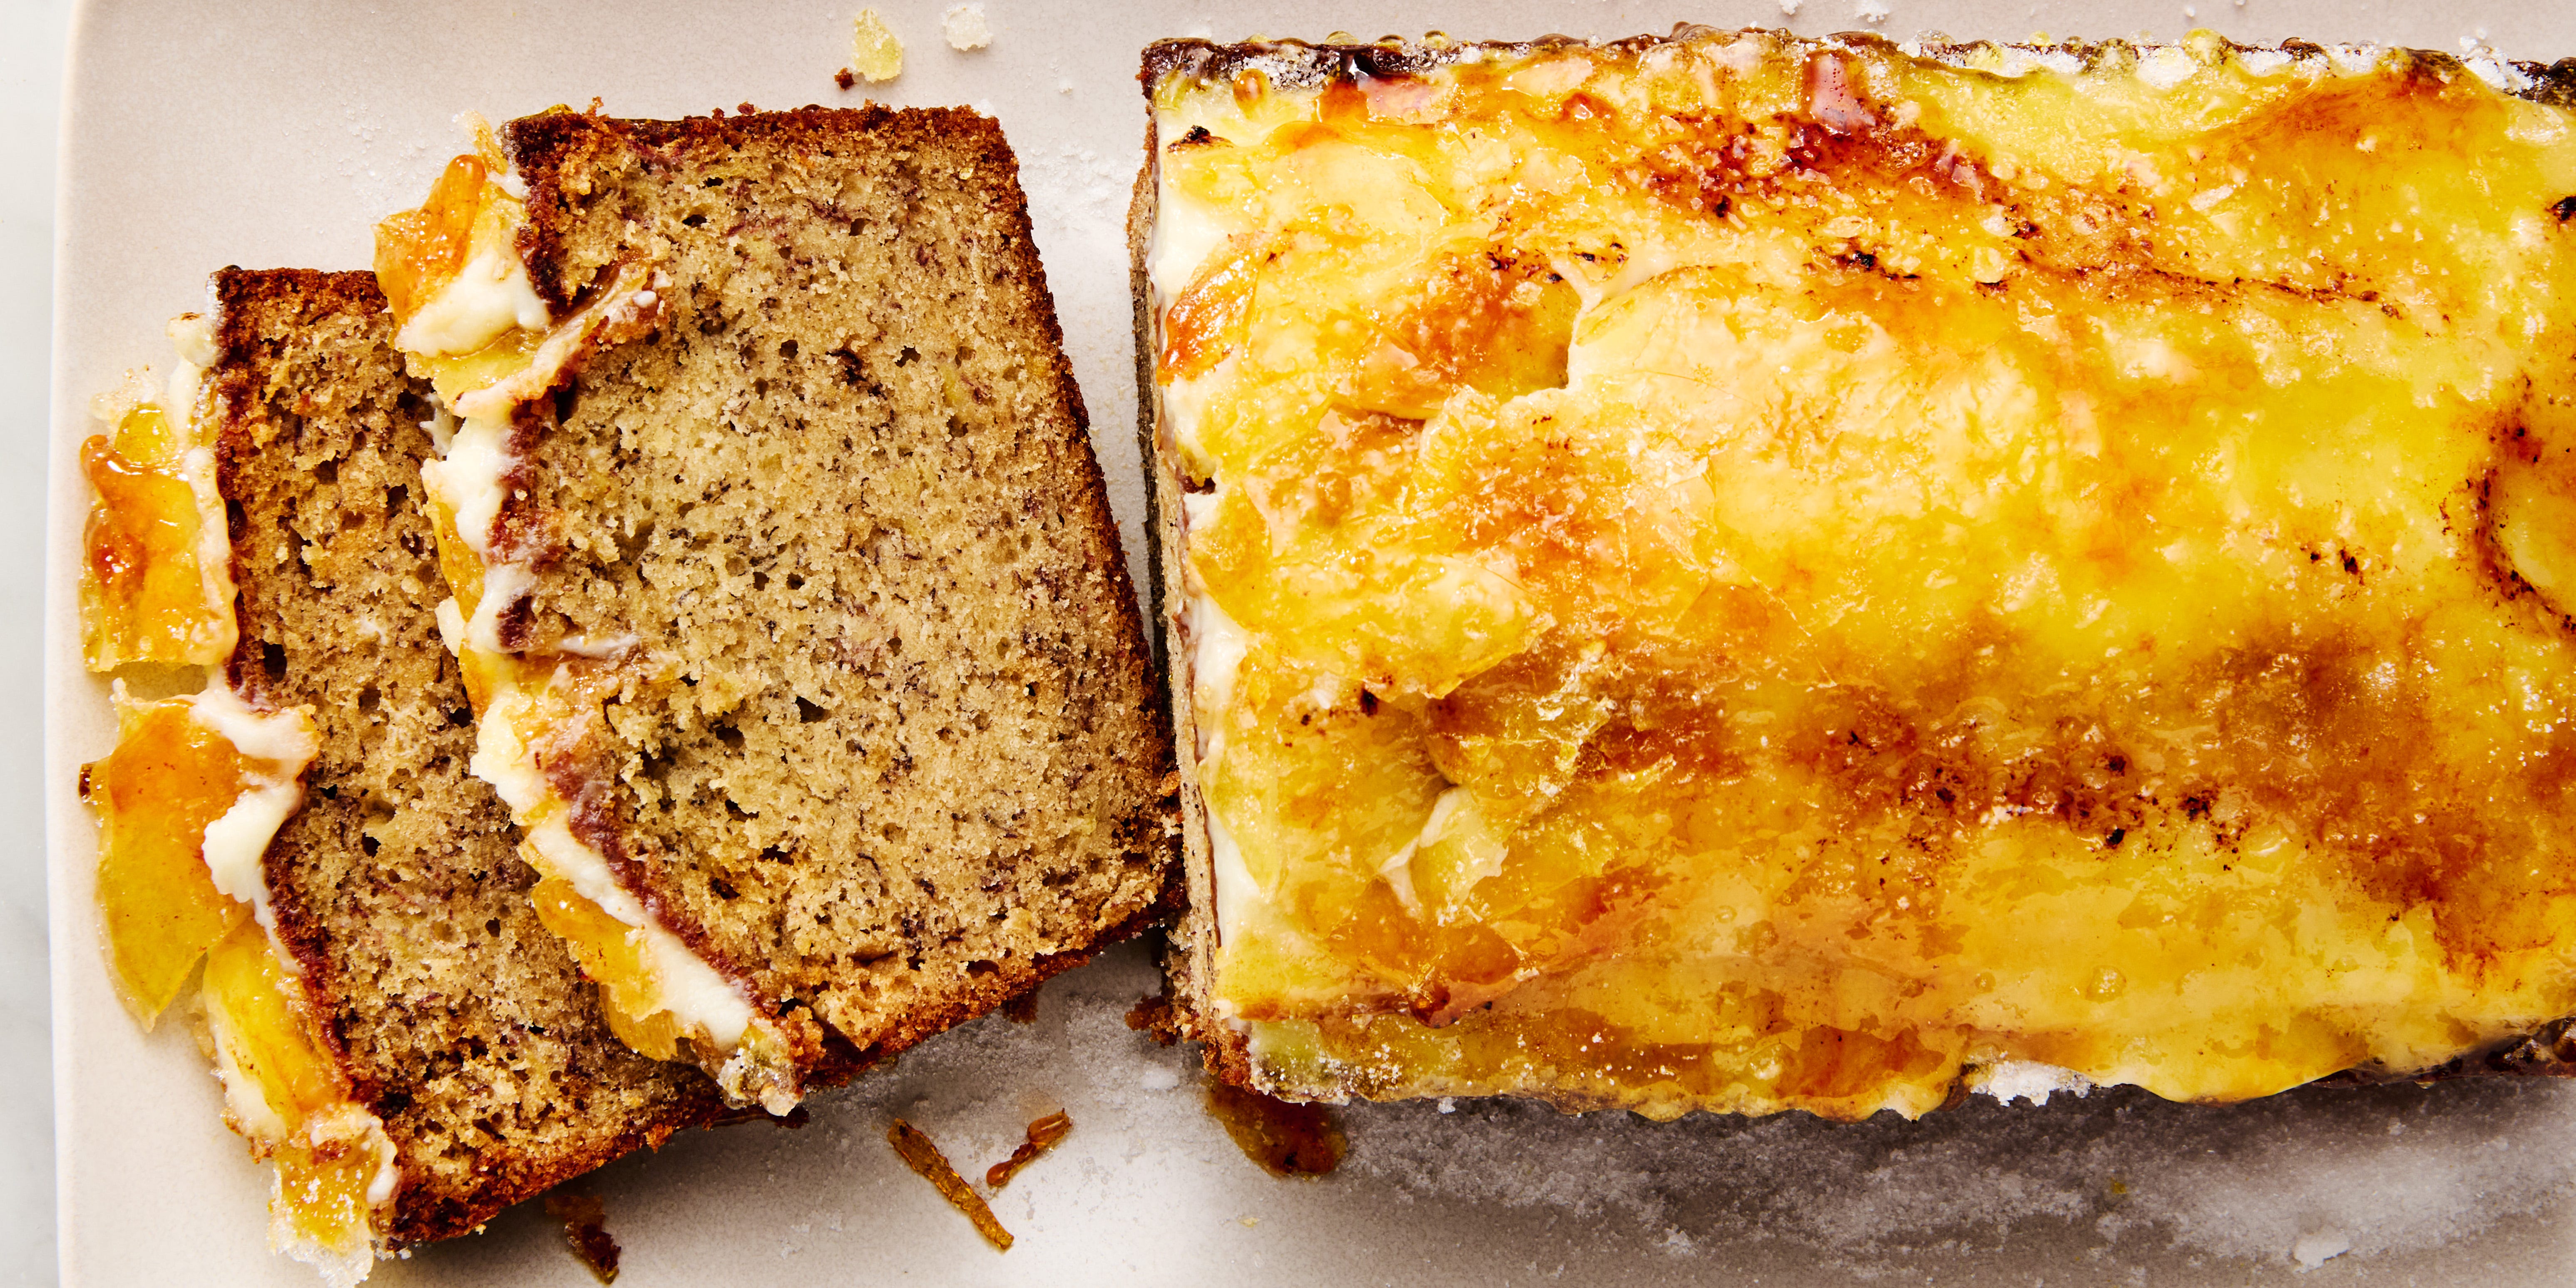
[(799, 634), (396, 1031), (1738, 572)]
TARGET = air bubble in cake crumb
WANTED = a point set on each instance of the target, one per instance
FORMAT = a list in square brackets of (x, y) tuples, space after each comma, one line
[(965, 27)]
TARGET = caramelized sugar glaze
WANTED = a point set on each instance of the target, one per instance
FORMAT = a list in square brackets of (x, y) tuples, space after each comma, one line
[(1746, 573)]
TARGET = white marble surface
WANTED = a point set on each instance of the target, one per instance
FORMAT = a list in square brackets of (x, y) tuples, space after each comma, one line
[(32, 37)]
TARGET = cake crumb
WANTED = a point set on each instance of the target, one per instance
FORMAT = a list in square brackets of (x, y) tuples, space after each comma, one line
[(874, 52), (844, 79), (1155, 1017), (965, 27)]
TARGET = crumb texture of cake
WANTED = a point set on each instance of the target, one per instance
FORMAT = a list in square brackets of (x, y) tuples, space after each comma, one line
[(865, 715), (1740, 572), (454, 1015)]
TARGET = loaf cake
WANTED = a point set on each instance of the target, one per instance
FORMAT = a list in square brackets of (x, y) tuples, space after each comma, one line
[(799, 635), (396, 1031), (1738, 572)]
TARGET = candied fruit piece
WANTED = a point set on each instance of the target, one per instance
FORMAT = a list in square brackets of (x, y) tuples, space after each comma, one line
[(167, 779), (874, 51), (612, 954), (145, 594)]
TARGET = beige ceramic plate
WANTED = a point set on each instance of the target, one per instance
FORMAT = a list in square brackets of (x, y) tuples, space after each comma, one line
[(199, 135)]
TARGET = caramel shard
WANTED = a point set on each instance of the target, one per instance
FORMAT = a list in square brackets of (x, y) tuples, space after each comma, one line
[(924, 1158), (335, 1165), (1044, 1134)]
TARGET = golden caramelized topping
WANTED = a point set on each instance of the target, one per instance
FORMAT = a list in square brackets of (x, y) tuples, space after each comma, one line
[(1745, 573), (156, 582), (924, 1158), (186, 805), (335, 1166)]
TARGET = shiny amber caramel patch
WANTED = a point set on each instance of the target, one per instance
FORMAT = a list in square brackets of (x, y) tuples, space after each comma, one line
[(1285, 1139), (1739, 573), (467, 316), (418, 251), (146, 594), (168, 778)]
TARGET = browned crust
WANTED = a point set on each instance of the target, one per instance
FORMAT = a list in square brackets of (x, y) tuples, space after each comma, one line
[(256, 313), (1298, 64), (543, 149), (1188, 955), (2546, 1051)]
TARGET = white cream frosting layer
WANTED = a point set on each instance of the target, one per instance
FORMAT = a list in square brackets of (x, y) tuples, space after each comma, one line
[(490, 295), (275, 747)]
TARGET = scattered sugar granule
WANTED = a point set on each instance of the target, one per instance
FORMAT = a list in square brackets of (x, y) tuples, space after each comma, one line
[(2010, 1080), (965, 27), (874, 52), (1871, 11), (1789, 8), (2314, 1250)]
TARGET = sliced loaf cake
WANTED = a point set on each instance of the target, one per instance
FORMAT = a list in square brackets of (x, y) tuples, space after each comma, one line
[(802, 640), (452, 1015)]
